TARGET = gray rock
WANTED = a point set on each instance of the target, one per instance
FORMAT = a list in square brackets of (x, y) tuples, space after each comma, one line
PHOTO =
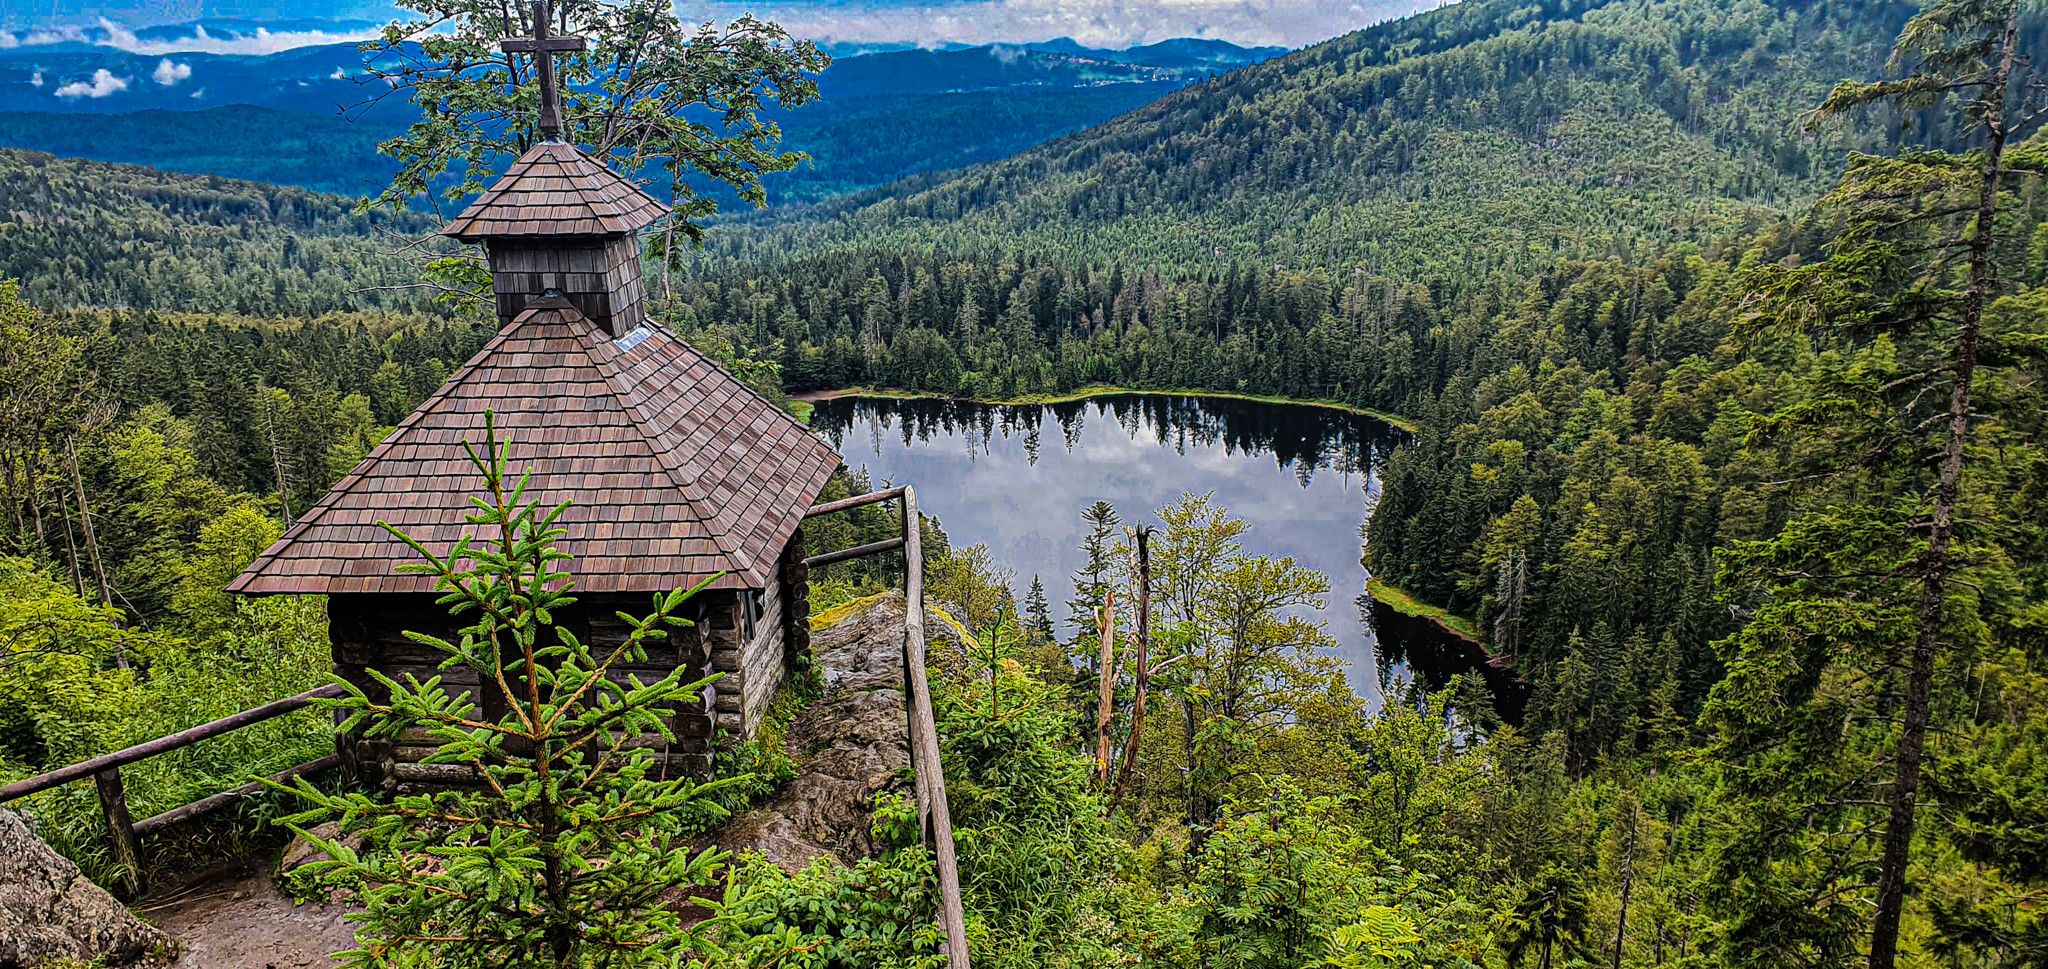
[(300, 852), (50, 912), (850, 745)]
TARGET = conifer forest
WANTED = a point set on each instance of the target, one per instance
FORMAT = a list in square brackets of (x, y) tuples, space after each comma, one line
[(1712, 336)]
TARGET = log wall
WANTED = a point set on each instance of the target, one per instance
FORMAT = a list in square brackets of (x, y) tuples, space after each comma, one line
[(368, 632)]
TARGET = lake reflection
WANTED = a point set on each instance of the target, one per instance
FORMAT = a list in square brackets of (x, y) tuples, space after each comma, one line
[(1018, 477)]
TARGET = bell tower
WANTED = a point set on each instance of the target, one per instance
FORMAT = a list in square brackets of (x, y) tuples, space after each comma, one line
[(560, 221)]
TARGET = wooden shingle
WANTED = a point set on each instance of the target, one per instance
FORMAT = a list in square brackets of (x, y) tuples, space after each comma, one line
[(556, 190), (676, 472)]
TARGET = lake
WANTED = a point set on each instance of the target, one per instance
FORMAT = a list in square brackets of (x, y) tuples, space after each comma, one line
[(1017, 477)]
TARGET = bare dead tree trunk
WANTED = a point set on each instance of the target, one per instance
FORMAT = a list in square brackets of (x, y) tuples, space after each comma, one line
[(1628, 873), (92, 543), (1939, 566), (279, 465), (1105, 625), (71, 546), (1141, 666), (35, 497), (7, 462)]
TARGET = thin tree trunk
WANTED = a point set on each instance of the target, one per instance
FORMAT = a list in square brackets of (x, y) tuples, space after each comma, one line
[(71, 546), (1105, 625), (1144, 671), (1197, 817), (13, 496), (35, 497), (1628, 879), (1898, 834), (92, 543)]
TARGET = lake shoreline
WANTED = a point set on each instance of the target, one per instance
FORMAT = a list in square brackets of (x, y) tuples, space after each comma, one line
[(1015, 479), (1102, 390), (1510, 688), (1407, 605)]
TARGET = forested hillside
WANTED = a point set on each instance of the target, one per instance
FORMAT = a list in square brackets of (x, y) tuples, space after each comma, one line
[(1501, 221), (1478, 137), (79, 233), (1673, 416)]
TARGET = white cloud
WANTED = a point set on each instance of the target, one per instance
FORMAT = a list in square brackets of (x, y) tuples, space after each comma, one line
[(339, 74), (107, 33), (169, 73), (103, 83), (263, 41), (36, 79), (1100, 23)]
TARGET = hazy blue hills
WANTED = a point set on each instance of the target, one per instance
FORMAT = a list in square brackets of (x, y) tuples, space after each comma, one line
[(884, 115), (321, 152), (1181, 52)]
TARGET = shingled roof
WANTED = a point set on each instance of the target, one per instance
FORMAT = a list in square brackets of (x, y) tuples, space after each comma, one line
[(555, 190), (677, 471)]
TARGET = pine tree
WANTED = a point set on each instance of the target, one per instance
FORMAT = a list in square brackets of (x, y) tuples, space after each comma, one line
[(1038, 612), (1861, 602), (1551, 919), (1091, 581), (566, 854)]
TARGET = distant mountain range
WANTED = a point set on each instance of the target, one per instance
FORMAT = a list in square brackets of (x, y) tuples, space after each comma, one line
[(884, 115), (91, 73)]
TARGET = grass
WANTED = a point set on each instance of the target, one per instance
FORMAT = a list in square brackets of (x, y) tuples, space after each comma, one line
[(827, 618), (1111, 390), (1408, 605)]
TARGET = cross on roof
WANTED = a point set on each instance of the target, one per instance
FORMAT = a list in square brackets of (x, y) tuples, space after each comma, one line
[(543, 48)]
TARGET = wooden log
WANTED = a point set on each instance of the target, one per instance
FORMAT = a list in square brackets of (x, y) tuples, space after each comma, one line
[(854, 502), (161, 745), (434, 773), (152, 825), (952, 912), (871, 548), (121, 830)]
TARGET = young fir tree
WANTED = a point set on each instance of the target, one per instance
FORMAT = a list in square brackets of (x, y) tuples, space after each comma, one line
[(1037, 611), (1092, 580), (1866, 603), (1550, 920), (571, 849)]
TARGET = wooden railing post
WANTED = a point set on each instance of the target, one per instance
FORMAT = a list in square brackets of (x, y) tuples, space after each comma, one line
[(924, 740), (934, 819), (121, 829), (124, 833)]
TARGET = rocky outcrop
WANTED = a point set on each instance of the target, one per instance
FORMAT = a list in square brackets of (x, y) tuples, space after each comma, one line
[(850, 745), (51, 912)]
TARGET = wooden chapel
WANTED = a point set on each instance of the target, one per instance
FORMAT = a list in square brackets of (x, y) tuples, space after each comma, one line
[(677, 472)]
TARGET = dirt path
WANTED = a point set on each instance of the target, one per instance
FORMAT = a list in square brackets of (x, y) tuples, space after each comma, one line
[(233, 916)]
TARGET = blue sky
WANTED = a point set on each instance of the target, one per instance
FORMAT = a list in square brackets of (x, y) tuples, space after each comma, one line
[(1107, 23)]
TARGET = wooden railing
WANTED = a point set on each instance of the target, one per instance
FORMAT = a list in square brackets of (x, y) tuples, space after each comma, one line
[(934, 817), (124, 832)]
